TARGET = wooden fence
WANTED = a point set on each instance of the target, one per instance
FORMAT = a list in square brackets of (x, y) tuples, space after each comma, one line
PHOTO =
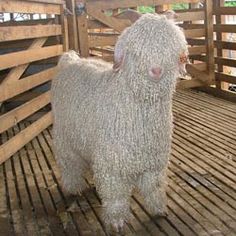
[(99, 27), (24, 44)]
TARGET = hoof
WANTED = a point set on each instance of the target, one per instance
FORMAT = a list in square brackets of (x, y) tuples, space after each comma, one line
[(118, 226)]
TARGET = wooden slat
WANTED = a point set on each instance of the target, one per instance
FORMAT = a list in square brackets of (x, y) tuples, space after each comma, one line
[(49, 1), (186, 84), (225, 45), (227, 28), (17, 58), (9, 33), (103, 4), (82, 24), (209, 39), (191, 16), (65, 35), (225, 61), (200, 66), (194, 33), (10, 90), (197, 50), (224, 10), (18, 141), (11, 118), (117, 24), (106, 40), (95, 24), (29, 7), (226, 78), (28, 22), (194, 72)]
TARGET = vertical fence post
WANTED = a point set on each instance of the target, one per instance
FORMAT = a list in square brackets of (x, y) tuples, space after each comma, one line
[(82, 24), (210, 60), (72, 27), (64, 25)]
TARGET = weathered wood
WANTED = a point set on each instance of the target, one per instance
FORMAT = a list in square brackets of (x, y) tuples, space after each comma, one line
[(224, 10), (186, 84), (117, 24), (82, 24), (226, 28), (64, 24), (103, 4), (14, 6), (28, 22), (16, 72), (209, 39), (48, 1), (226, 61), (190, 16), (9, 33), (194, 72), (72, 26), (10, 90), (197, 50), (17, 58), (16, 115), (226, 78), (95, 40), (194, 33), (18, 141)]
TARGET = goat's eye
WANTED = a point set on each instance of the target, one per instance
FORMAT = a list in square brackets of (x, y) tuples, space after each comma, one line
[(183, 58)]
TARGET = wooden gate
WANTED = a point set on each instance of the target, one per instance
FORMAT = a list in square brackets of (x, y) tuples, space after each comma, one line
[(99, 28)]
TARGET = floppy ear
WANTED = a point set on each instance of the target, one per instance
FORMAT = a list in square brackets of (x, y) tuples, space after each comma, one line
[(155, 72), (170, 14), (129, 14)]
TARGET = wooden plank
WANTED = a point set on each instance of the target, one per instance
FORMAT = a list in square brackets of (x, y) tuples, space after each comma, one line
[(72, 26), (28, 22), (117, 24), (225, 61), (186, 84), (226, 78), (197, 50), (209, 40), (49, 1), (103, 4), (65, 35), (190, 16), (194, 33), (106, 40), (17, 72), (95, 24), (224, 10), (29, 7), (14, 116), (10, 90), (9, 33), (82, 24), (18, 141), (226, 28), (225, 45), (194, 72), (18, 58)]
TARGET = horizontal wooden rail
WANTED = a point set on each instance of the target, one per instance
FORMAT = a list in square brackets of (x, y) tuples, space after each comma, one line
[(18, 114), (194, 33), (224, 11), (48, 1), (18, 141), (191, 16), (104, 4), (197, 50), (12, 89), (17, 58), (28, 22), (225, 61), (29, 7), (186, 84), (106, 40), (227, 28), (226, 78), (9, 33)]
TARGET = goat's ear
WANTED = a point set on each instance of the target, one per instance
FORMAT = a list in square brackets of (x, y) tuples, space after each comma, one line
[(155, 72), (118, 62), (170, 14)]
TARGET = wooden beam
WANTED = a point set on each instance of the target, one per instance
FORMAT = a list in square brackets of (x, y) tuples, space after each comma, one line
[(28, 22), (29, 7), (16, 72), (116, 24), (191, 16), (18, 141), (9, 33), (48, 1), (197, 50), (194, 33), (16, 58), (227, 28), (225, 61), (210, 39), (64, 24), (186, 84), (18, 114), (105, 40), (114, 4), (8, 91), (226, 78), (82, 24), (224, 10), (197, 74)]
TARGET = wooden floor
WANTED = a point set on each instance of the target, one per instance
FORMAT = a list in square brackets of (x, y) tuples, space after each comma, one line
[(202, 182)]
